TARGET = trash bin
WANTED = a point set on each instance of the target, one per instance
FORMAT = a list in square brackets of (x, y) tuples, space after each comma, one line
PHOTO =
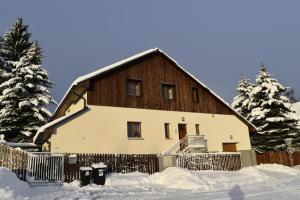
[(99, 173), (85, 175)]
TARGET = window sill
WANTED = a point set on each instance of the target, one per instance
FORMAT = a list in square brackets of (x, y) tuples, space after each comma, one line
[(168, 138), (135, 138)]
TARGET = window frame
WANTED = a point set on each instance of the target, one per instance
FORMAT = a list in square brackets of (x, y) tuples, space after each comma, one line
[(132, 87), (165, 93), (132, 136), (167, 130)]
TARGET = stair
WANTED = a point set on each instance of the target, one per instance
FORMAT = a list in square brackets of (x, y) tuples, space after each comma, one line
[(189, 144)]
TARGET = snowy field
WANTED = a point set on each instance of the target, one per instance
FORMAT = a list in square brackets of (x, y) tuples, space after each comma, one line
[(261, 182)]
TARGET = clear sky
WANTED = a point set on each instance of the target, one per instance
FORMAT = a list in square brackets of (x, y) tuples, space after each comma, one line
[(217, 41)]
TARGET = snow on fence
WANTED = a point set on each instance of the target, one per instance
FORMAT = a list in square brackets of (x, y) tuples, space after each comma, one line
[(14, 159), (45, 169), (210, 161), (278, 157), (117, 163)]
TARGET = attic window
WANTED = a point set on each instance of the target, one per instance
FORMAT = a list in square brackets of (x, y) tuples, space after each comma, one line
[(133, 87), (168, 91)]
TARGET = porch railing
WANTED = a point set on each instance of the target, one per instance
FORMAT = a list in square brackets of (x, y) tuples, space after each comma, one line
[(190, 143)]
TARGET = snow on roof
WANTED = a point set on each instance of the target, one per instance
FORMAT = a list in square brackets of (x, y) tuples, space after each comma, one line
[(129, 59), (16, 144)]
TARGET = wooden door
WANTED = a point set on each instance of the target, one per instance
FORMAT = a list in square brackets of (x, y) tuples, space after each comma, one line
[(182, 134), (229, 147), (181, 130)]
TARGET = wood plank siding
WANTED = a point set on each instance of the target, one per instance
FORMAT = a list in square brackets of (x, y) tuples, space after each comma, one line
[(109, 89)]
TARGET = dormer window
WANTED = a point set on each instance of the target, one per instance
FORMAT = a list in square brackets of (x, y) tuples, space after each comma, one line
[(133, 87), (168, 91)]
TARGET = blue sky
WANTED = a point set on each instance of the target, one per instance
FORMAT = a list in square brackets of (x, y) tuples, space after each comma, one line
[(217, 41)]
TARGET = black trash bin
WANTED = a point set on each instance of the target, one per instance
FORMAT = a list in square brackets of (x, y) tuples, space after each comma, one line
[(99, 173), (85, 175)]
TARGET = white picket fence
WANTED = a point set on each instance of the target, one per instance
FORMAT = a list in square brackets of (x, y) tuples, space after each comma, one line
[(45, 169)]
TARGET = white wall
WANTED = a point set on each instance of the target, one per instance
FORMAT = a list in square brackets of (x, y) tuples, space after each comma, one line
[(104, 130)]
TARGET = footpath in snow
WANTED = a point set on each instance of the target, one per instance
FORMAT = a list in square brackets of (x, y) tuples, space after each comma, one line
[(260, 182)]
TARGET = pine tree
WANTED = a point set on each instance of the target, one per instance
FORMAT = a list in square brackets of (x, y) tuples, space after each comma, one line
[(25, 97), (272, 114), (16, 42), (240, 102), (24, 84)]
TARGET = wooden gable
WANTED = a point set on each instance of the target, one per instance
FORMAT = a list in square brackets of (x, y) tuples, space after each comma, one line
[(109, 89)]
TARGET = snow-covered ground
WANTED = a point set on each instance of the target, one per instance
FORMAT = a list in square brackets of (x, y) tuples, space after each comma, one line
[(260, 182)]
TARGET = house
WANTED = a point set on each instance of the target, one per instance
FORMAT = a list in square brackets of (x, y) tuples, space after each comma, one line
[(145, 104)]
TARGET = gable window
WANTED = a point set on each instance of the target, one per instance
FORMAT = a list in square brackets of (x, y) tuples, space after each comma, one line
[(168, 91), (134, 129), (167, 130), (133, 87), (195, 95), (197, 129)]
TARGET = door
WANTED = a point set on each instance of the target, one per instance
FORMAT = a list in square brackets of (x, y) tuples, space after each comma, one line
[(182, 134), (229, 147)]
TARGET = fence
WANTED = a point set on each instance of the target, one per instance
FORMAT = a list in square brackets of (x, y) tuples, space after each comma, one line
[(45, 169), (278, 157), (14, 159), (119, 163), (210, 161)]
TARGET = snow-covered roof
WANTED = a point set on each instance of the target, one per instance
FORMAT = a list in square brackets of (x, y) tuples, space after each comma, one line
[(54, 122), (18, 144), (127, 60)]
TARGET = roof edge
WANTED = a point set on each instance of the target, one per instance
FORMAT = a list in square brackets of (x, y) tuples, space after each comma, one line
[(137, 56)]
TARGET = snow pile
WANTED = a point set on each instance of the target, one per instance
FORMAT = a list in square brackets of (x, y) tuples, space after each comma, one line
[(268, 181), (179, 178), (278, 168), (10, 185)]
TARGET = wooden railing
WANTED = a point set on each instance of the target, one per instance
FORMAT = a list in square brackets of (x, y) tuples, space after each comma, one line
[(14, 159), (189, 141)]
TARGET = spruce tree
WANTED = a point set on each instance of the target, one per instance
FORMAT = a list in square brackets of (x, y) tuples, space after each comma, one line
[(16, 42), (241, 101), (271, 113), (24, 94), (25, 97)]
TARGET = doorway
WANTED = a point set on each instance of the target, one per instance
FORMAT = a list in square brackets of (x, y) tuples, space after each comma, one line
[(182, 133)]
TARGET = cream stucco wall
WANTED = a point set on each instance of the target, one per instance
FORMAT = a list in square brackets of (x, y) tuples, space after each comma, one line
[(104, 130)]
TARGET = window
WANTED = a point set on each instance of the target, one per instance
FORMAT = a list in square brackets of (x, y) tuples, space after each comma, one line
[(134, 129), (168, 91), (197, 129), (195, 95), (133, 87), (167, 130)]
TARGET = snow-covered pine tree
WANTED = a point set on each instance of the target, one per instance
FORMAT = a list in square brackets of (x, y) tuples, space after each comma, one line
[(25, 98), (272, 114), (24, 84), (241, 101), (15, 43)]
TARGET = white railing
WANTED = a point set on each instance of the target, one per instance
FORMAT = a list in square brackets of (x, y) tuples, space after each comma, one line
[(190, 143), (45, 169)]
